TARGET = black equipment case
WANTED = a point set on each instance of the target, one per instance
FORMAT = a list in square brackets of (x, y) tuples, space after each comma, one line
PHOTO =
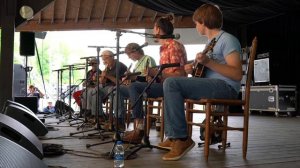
[(273, 98)]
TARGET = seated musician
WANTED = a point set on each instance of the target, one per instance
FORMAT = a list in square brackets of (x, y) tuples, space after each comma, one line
[(135, 53), (171, 51), (223, 72), (90, 87), (107, 79)]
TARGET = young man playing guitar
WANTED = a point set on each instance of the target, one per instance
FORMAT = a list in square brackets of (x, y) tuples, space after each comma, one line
[(223, 72)]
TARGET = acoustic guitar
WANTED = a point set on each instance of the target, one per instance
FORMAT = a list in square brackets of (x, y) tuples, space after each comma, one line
[(198, 69)]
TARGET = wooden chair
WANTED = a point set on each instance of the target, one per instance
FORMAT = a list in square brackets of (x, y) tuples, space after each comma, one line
[(155, 103), (210, 113)]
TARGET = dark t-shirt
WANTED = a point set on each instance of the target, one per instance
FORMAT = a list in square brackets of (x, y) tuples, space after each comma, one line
[(90, 75), (112, 72)]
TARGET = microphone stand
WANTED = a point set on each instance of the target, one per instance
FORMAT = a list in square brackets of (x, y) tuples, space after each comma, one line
[(116, 136), (71, 67), (101, 136), (86, 92), (59, 72), (58, 111), (145, 142), (139, 33), (59, 105)]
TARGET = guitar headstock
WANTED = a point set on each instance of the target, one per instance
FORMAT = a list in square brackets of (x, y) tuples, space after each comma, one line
[(210, 46)]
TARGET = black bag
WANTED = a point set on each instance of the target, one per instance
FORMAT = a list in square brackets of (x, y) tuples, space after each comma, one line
[(216, 135), (62, 108), (52, 149)]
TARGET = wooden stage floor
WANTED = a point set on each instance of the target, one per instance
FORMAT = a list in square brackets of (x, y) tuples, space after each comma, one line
[(273, 142)]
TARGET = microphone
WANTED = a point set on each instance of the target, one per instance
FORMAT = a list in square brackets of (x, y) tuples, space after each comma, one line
[(172, 36), (121, 52), (163, 66), (95, 46), (78, 68), (142, 46), (104, 47)]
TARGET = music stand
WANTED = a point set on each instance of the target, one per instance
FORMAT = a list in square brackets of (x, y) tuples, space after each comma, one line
[(86, 92), (71, 89), (59, 108)]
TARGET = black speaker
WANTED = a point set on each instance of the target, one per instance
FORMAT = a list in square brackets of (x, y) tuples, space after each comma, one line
[(17, 104), (19, 88), (14, 155), (27, 43), (30, 102), (26, 117), (18, 133)]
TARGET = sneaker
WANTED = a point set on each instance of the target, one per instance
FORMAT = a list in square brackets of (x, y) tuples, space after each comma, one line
[(134, 136), (167, 144), (179, 149)]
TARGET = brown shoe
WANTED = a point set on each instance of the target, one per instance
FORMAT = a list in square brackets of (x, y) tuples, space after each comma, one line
[(121, 125), (134, 136), (91, 119), (167, 144), (179, 149)]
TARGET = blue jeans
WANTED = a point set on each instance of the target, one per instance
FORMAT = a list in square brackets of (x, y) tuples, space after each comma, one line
[(102, 93), (176, 89), (123, 93), (135, 89)]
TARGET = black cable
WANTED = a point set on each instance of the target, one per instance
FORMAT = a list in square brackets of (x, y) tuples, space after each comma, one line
[(83, 153)]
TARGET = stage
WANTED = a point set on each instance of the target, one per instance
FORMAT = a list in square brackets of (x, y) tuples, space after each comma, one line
[(273, 142)]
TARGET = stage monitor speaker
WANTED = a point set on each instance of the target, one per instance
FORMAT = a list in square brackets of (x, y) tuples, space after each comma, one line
[(20, 134), (30, 102), (27, 118), (14, 155), (8, 102), (27, 43)]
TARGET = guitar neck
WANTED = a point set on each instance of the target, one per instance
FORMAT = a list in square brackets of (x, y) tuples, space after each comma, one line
[(199, 68)]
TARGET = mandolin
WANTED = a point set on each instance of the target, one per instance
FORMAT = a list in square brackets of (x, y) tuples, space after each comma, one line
[(198, 69)]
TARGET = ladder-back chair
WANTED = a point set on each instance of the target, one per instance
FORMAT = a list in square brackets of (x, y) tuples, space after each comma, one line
[(158, 104), (210, 112)]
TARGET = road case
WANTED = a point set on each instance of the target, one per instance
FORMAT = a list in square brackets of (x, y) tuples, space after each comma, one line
[(274, 98)]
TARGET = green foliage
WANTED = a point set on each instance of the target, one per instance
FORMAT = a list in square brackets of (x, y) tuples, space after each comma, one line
[(50, 55)]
